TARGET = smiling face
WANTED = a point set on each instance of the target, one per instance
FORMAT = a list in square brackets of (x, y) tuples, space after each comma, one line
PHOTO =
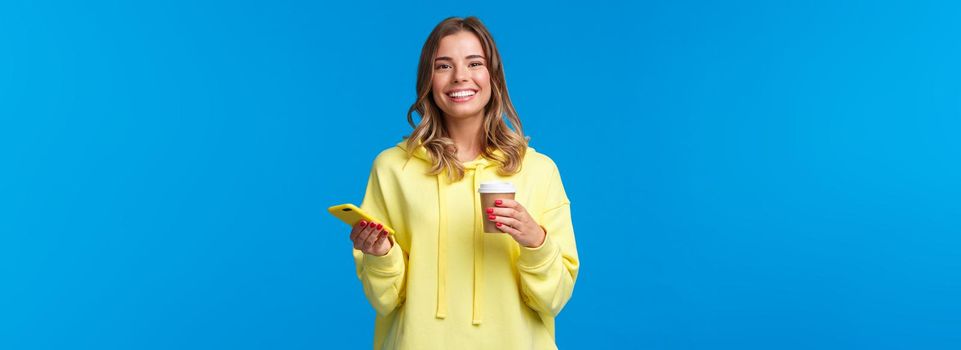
[(461, 82)]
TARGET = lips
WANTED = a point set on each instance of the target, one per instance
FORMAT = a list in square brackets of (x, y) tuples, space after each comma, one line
[(461, 95)]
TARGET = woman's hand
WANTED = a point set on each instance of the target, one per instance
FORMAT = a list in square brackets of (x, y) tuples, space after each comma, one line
[(370, 238), (513, 219)]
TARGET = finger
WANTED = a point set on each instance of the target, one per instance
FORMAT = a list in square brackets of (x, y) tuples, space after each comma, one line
[(509, 203), (508, 212), (507, 221), (363, 236), (374, 229), (358, 228), (360, 239), (380, 240), (371, 239), (508, 230)]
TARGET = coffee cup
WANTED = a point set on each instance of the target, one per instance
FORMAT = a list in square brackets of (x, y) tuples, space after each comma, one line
[(490, 192)]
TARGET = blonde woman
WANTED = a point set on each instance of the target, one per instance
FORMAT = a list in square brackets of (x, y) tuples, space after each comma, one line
[(441, 282)]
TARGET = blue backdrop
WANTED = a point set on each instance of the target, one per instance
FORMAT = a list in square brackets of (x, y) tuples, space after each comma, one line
[(744, 175)]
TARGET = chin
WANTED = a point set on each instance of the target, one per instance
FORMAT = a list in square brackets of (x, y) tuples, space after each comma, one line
[(457, 113)]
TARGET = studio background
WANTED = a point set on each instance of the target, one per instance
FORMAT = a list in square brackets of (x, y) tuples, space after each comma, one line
[(743, 175)]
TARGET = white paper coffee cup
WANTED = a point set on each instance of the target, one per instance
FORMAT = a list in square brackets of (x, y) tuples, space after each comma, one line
[(490, 192)]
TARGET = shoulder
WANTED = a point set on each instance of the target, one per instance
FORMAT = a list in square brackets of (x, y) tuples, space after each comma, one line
[(390, 158), (538, 163)]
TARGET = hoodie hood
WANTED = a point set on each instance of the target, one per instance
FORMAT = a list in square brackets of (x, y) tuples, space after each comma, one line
[(474, 171)]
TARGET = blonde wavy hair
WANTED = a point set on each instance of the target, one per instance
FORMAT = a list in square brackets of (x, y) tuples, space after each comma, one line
[(432, 134)]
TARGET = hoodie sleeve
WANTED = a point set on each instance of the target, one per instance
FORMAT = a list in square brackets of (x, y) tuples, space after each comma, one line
[(383, 277), (548, 272)]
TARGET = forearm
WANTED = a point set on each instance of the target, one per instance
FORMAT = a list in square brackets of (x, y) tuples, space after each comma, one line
[(383, 278), (547, 276)]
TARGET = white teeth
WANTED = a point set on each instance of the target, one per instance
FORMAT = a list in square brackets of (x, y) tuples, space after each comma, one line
[(464, 93)]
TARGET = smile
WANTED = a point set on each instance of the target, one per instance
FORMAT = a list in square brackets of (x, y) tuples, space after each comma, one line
[(462, 95)]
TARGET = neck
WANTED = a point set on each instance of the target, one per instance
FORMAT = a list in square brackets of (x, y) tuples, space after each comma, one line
[(467, 134)]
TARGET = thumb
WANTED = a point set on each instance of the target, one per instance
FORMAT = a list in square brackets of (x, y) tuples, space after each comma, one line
[(383, 243)]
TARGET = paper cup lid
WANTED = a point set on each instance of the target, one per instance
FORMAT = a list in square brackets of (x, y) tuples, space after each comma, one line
[(496, 187)]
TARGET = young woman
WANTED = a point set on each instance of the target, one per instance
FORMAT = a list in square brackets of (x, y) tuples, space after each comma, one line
[(441, 282)]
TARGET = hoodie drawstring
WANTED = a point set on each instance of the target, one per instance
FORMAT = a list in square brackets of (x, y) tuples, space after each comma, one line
[(441, 250), (478, 248), (478, 236)]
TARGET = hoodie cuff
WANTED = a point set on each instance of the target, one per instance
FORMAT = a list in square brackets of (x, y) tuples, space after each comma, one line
[(387, 264), (532, 258)]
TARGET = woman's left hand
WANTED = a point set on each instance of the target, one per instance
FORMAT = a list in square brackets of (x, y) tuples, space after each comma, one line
[(513, 219)]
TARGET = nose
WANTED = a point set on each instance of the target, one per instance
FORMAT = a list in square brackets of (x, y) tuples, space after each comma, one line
[(461, 74)]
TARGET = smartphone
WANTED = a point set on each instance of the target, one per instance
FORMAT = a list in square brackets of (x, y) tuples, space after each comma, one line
[(351, 215)]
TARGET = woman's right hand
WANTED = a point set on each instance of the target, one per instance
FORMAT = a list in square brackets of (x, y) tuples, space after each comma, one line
[(370, 238)]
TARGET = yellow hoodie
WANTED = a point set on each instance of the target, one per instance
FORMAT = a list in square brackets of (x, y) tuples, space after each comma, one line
[(445, 284)]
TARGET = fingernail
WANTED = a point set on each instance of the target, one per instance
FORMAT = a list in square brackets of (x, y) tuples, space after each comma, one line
[(498, 202), (384, 233), (363, 223), (380, 226), (499, 224), (490, 210), (490, 217)]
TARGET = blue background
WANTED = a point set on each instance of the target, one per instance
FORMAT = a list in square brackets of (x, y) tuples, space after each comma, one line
[(744, 175)]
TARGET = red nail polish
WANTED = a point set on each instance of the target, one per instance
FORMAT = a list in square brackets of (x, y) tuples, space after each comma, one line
[(498, 202), (380, 226), (363, 223), (490, 210), (499, 224), (490, 217)]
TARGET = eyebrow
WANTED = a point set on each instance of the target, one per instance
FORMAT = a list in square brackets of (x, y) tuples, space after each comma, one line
[(450, 59)]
